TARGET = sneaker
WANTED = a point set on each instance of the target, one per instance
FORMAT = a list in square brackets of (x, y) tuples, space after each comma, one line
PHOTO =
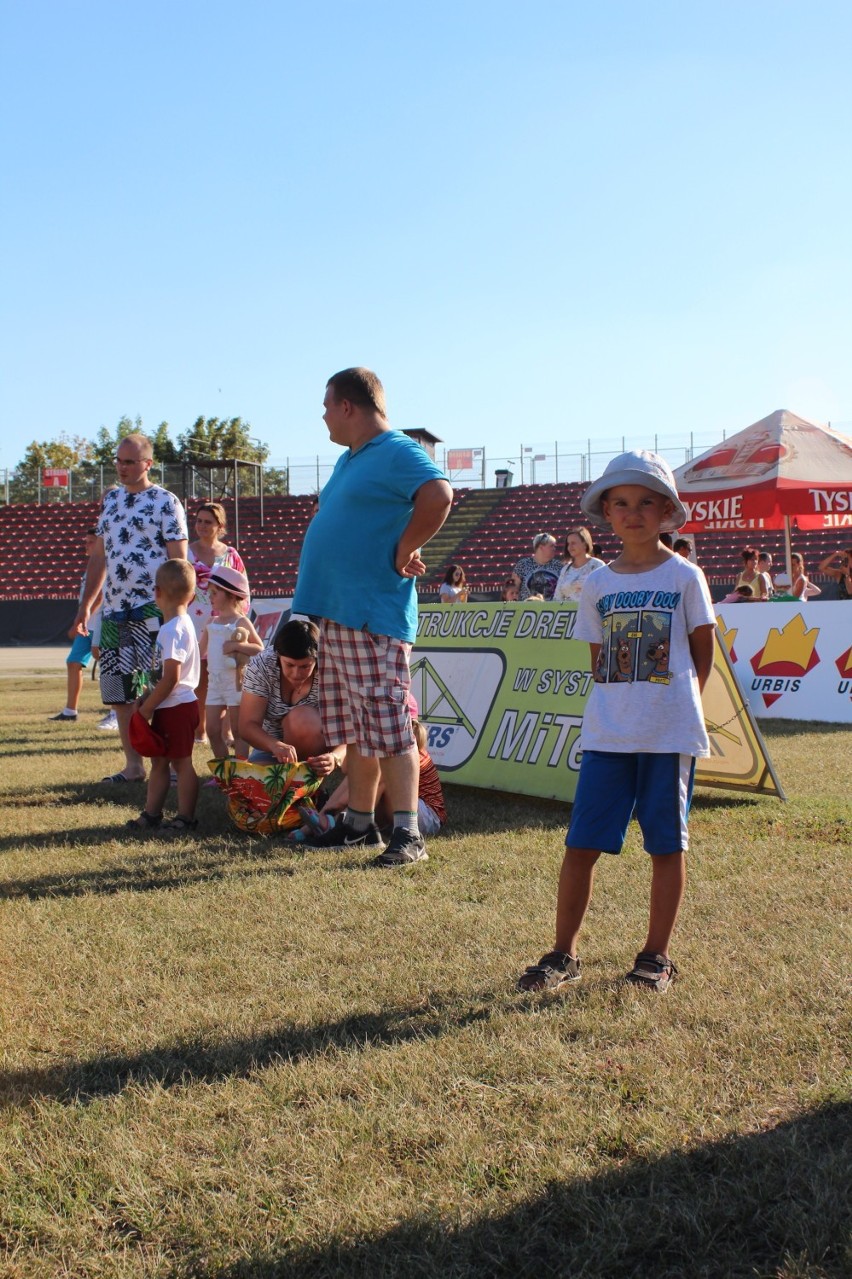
[(342, 835), (67, 717), (553, 970), (654, 972), (109, 723), (404, 849)]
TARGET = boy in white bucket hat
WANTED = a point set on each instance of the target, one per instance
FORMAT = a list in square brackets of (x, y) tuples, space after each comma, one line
[(649, 621)]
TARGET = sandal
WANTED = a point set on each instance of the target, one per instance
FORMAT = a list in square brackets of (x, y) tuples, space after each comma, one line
[(179, 825), (145, 821), (653, 971), (118, 779), (553, 970)]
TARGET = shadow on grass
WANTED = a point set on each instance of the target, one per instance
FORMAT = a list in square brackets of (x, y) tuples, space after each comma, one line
[(188, 1061), (148, 874), (768, 1204)]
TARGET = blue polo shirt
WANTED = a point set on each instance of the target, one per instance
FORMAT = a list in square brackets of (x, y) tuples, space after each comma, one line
[(346, 570)]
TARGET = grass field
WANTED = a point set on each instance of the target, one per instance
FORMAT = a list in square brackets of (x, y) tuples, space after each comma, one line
[(224, 1059)]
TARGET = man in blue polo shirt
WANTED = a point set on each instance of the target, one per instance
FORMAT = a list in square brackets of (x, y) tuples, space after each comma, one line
[(385, 499)]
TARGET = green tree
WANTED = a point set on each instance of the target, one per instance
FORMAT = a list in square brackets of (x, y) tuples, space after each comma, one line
[(224, 440), (68, 452), (165, 450)]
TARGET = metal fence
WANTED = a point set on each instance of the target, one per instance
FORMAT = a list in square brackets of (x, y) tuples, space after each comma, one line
[(475, 467)]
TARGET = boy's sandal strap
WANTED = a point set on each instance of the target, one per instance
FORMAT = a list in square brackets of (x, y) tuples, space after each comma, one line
[(180, 823), (145, 821)]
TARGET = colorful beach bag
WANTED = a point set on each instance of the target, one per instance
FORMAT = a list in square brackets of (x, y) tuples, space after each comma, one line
[(262, 798)]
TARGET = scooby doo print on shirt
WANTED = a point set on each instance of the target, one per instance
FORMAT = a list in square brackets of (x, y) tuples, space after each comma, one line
[(635, 644)]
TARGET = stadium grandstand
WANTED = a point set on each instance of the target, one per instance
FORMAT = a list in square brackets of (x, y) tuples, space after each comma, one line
[(487, 531)]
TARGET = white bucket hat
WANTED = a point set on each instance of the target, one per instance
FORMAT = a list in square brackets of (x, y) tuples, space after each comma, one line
[(635, 467)]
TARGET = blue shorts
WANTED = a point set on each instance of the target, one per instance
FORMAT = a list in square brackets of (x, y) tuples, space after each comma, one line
[(612, 786), (80, 651)]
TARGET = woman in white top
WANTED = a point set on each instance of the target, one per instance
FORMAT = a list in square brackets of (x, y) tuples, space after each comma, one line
[(802, 588), (454, 586), (579, 563)]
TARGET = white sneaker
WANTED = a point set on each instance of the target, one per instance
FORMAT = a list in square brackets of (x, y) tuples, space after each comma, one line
[(109, 723)]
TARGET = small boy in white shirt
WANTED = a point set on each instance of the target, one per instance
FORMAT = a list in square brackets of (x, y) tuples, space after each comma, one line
[(170, 707)]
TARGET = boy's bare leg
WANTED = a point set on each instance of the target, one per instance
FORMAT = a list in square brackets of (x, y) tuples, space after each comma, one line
[(133, 766), (158, 786), (668, 881), (575, 892), (187, 786)]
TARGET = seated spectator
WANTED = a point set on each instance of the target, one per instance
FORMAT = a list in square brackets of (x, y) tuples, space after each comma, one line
[(279, 710), (683, 548), (764, 568), (739, 595), (509, 594), (841, 572), (538, 573), (579, 563), (801, 588), (454, 586), (749, 575)]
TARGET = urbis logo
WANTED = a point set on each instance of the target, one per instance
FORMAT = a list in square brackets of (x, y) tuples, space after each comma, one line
[(844, 665), (785, 659)]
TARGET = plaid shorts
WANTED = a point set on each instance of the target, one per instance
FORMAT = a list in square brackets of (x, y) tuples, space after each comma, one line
[(128, 641), (363, 691)]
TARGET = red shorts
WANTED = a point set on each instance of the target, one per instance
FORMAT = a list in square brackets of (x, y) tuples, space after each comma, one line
[(177, 725)]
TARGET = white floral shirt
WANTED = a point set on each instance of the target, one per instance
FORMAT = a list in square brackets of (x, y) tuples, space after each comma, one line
[(136, 528)]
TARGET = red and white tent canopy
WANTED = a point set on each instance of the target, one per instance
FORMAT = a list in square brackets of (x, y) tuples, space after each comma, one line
[(780, 468)]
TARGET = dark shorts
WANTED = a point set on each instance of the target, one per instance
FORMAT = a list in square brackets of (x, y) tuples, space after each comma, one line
[(128, 641), (613, 786), (177, 725)]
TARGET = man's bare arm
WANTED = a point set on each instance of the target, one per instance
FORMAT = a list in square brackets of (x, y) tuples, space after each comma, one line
[(95, 577), (432, 503)]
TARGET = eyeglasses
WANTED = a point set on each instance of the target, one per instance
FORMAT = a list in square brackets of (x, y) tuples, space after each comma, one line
[(129, 461)]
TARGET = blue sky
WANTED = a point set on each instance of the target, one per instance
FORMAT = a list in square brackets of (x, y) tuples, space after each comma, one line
[(538, 222)]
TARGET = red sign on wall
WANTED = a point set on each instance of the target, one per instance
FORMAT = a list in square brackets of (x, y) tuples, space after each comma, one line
[(54, 477), (460, 459)]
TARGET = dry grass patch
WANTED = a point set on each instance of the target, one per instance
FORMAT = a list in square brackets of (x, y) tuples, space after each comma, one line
[(225, 1059)]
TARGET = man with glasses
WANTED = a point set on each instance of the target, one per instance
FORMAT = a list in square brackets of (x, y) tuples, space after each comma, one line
[(141, 525)]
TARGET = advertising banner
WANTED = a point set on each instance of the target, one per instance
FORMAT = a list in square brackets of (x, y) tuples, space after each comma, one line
[(502, 689), (793, 661), (268, 615)]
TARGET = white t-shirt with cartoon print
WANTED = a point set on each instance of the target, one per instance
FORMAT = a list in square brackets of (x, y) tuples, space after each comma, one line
[(645, 694), (135, 528), (176, 642)]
